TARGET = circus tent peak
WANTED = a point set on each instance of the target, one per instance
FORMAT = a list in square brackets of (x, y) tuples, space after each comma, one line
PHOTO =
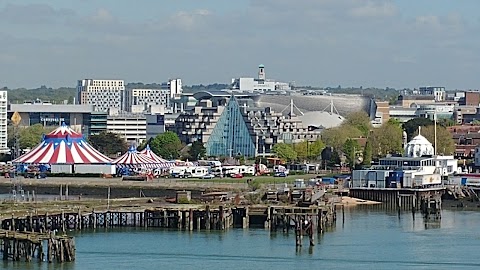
[(149, 153), (63, 146), (134, 158)]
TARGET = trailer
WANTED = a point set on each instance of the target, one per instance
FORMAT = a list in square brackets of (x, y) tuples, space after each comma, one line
[(95, 168), (61, 168)]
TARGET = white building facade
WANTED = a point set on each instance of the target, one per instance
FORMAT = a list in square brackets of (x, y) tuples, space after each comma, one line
[(102, 94), (139, 100), (259, 84), (3, 122), (175, 87), (418, 167), (131, 127)]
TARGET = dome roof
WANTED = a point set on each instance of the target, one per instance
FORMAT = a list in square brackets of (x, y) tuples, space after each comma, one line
[(419, 146), (321, 118)]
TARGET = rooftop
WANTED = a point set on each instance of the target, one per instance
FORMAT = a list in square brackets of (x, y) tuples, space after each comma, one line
[(51, 108)]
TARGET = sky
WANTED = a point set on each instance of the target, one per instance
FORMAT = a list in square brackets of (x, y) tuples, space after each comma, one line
[(369, 43)]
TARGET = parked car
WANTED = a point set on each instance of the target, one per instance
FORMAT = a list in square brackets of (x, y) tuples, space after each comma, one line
[(280, 174), (236, 175), (208, 176), (35, 175)]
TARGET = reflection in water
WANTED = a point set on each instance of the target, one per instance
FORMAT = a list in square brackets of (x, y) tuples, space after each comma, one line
[(432, 224), (370, 238)]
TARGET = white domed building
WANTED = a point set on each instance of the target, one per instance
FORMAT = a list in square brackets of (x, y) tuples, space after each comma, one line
[(419, 167), (419, 146)]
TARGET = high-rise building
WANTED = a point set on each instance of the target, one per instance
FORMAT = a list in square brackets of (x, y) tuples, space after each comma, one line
[(138, 100), (102, 94), (3, 122), (175, 87)]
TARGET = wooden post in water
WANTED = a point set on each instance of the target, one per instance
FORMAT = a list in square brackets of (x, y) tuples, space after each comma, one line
[(179, 219), (190, 219), (63, 222), (207, 217), (246, 219), (165, 218), (269, 218), (221, 221)]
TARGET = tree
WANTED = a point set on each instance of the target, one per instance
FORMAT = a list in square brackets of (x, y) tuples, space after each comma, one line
[(350, 149), (29, 137), (166, 145), (197, 150), (411, 126), (386, 139), (445, 142), (337, 136), (108, 143), (367, 154), (360, 120), (284, 151), (309, 149), (446, 122)]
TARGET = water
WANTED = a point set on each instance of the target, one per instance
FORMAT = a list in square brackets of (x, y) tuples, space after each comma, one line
[(368, 238)]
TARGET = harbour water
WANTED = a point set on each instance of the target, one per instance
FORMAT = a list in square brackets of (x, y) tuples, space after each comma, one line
[(367, 238)]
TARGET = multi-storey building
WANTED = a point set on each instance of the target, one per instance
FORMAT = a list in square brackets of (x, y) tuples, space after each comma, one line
[(102, 94), (437, 92), (131, 127), (139, 100), (175, 87), (259, 84), (3, 122), (80, 118), (239, 128)]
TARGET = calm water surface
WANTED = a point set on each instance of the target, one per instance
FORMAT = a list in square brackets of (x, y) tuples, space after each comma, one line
[(367, 239)]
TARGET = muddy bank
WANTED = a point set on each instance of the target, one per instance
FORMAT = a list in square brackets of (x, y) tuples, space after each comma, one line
[(100, 191)]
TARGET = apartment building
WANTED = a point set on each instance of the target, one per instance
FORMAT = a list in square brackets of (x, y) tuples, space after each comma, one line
[(102, 94)]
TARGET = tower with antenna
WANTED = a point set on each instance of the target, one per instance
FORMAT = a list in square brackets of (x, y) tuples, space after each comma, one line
[(261, 72)]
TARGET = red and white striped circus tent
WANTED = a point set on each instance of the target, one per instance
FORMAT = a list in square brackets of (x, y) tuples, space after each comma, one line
[(132, 158), (163, 163), (63, 146)]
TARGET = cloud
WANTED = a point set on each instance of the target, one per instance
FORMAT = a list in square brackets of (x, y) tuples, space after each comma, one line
[(373, 9), (101, 16), (316, 42), (33, 14), (188, 20)]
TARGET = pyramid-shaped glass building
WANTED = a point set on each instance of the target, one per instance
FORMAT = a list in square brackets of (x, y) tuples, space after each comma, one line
[(231, 136)]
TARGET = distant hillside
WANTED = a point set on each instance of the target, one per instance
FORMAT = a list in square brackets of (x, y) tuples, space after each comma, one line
[(46, 94)]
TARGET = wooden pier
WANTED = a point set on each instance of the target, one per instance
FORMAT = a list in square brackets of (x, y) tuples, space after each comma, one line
[(32, 230), (397, 198), (18, 246), (193, 217)]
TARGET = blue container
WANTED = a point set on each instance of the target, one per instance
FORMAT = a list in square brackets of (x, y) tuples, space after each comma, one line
[(463, 181), (328, 180)]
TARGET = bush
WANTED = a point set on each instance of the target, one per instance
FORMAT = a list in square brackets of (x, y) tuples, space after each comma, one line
[(254, 185), (183, 200)]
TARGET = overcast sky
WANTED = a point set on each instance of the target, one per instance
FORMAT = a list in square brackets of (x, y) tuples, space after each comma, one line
[(402, 43)]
